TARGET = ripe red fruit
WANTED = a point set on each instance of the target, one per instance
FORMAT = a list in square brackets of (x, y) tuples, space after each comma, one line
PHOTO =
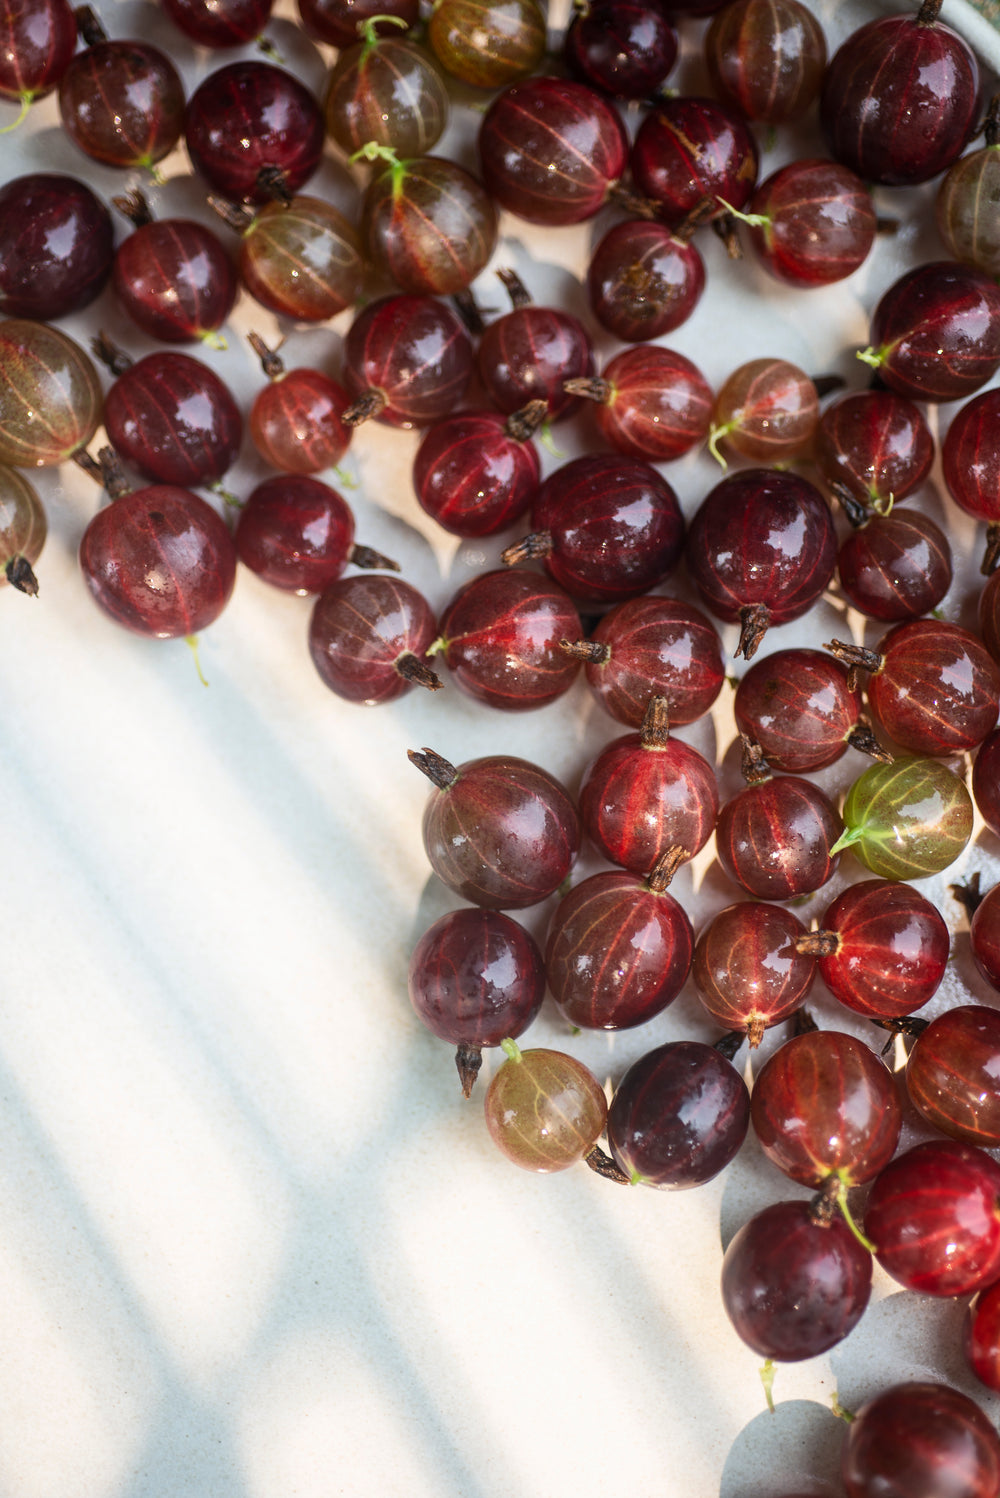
[(251, 125), (690, 150), (368, 638), (122, 102), (530, 352), (921, 1438), (650, 403), (873, 447), (644, 280), (799, 709), (173, 276), (748, 970), (296, 422), (882, 947), (478, 472), (766, 58), (811, 223), (951, 1074), (50, 396), (388, 91), (56, 245), (775, 838), (935, 334), (173, 418), (407, 361), (297, 533)]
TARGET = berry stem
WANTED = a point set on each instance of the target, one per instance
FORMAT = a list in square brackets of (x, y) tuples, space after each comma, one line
[(519, 294), (754, 620), (443, 773), (469, 1060), (592, 652), (529, 549), (20, 575), (654, 731), (411, 668), (522, 424), (369, 559), (603, 1164)]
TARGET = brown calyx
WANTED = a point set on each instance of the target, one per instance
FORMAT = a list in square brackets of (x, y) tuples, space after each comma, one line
[(371, 404), (819, 944), (133, 206), (602, 1163), (412, 669), (753, 766), (469, 1060), (665, 868), (530, 548), (271, 361), (591, 652), (862, 738), (591, 388), (523, 423), (437, 769), (654, 730), (754, 620), (369, 559), (21, 577)]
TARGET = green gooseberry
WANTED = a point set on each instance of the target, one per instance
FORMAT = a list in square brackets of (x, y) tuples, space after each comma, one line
[(907, 819)]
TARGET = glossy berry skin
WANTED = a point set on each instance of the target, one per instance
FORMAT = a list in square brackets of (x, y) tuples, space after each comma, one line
[(50, 395), (643, 281), (251, 118), (428, 224), (175, 280), (984, 935), (776, 838), (965, 209), (338, 21), (386, 90), (472, 476), (797, 705), (122, 103), (766, 58), (56, 246), (747, 969), (820, 223), (501, 635), (502, 833), (296, 533), (37, 42), (936, 332), (690, 149), (618, 951), (899, 100), (295, 421), (655, 404), (302, 259), (659, 645), (678, 1116), (488, 43), (766, 411), (23, 529), (981, 1336), (986, 781), (551, 150), (214, 24), (895, 567), (874, 446), (989, 615), (794, 1286), (922, 1438), (624, 49), (907, 819), (159, 561), (529, 353), (411, 356), (891, 948), (951, 1074), (934, 1217), (761, 549), (174, 419), (544, 1110), (970, 458), (365, 633), (476, 976), (823, 1105)]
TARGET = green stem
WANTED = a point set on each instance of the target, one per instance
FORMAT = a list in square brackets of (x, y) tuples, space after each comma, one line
[(847, 839), (755, 220), (25, 106), (192, 642), (872, 357), (510, 1049), (767, 1379), (714, 436), (845, 1212)]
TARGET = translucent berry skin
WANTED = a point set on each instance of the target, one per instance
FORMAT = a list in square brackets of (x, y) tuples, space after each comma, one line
[(413, 351), (908, 819), (821, 223), (796, 704), (501, 635), (362, 631), (766, 411), (550, 150), (475, 977), (824, 1105), (37, 42), (875, 445), (295, 423), (174, 419), (486, 43), (766, 57), (986, 781), (981, 1336), (938, 689), (429, 225), (643, 282), (617, 952), (920, 1438), (122, 103), (337, 21), (776, 838), (302, 259), (899, 100), (159, 561), (175, 280), (747, 969), (989, 615), (503, 835), (23, 525), (892, 950), (296, 533), (951, 1074), (936, 332), (792, 1286), (965, 209), (388, 91), (637, 802), (970, 457), (212, 24), (656, 645), (50, 395), (984, 935), (248, 117), (545, 1110), (678, 1116), (690, 149), (658, 407), (528, 353), (472, 477), (934, 1217), (625, 49), (895, 567), (56, 246)]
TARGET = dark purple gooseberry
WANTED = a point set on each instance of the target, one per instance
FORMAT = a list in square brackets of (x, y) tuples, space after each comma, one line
[(824, 1104), (984, 936), (766, 58), (873, 447), (811, 223), (368, 638), (618, 950), (644, 280), (798, 706), (607, 528), (428, 224), (678, 1116), (951, 1074), (530, 352), (160, 561), (174, 419), (747, 968), (766, 411), (900, 98), (477, 472), (500, 832), (254, 132), (122, 103), (934, 687), (647, 793), (775, 838), (920, 1438), (650, 402), (298, 534), (970, 457), (623, 47), (488, 43), (302, 259), (176, 281), (690, 149), (761, 550), (219, 23), (499, 637), (407, 361), (552, 151), (989, 615), (23, 529), (882, 948), (653, 645), (476, 977), (966, 199), (935, 334), (895, 567), (295, 421), (338, 22), (50, 395), (986, 781), (795, 1280), (386, 91), (56, 246), (37, 42)]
